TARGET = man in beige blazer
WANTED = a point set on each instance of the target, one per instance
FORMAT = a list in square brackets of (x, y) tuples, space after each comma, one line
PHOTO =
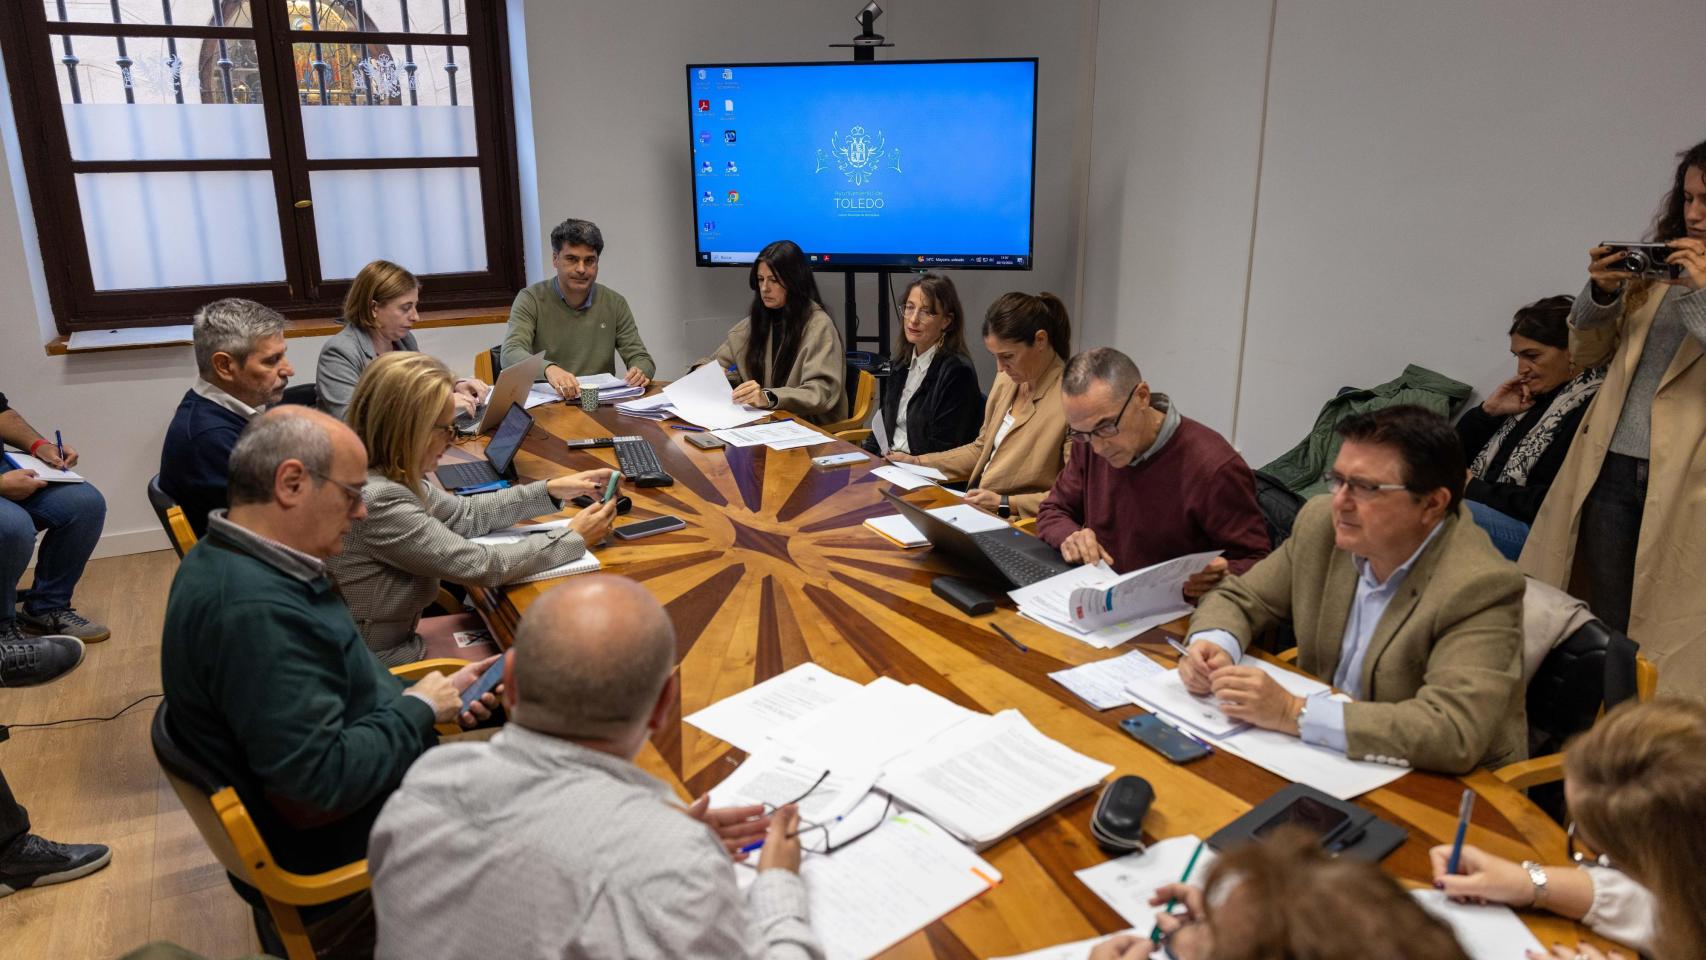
[(1397, 598)]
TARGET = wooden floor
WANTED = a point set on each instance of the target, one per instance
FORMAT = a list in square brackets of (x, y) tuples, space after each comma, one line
[(98, 783)]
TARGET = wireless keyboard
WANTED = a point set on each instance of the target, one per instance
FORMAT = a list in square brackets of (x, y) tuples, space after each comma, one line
[(639, 463)]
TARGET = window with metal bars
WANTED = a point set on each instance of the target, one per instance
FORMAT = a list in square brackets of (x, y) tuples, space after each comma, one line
[(178, 151)]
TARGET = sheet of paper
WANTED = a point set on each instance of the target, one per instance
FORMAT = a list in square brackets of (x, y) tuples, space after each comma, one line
[(880, 432), (1166, 693), (515, 533), (774, 778), (1102, 683), (604, 381), (923, 471), (1048, 602), (704, 397), (1127, 883), (1076, 950), (1489, 932), (656, 401), (890, 884), (538, 395), (769, 433), (746, 718), (1153, 591), (970, 519), (870, 727), (1104, 639), (899, 529), (1328, 771), (130, 337), (802, 441), (23, 461), (988, 776), (901, 478)]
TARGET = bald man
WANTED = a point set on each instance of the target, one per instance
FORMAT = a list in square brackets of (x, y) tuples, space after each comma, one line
[(548, 841), (267, 679)]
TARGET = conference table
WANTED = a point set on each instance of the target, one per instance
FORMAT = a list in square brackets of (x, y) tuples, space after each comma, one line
[(775, 568)]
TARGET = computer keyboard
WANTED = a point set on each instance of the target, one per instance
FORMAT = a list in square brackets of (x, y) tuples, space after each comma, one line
[(1020, 567), (639, 463)]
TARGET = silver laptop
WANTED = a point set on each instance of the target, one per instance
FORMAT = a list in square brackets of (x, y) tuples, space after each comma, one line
[(512, 387)]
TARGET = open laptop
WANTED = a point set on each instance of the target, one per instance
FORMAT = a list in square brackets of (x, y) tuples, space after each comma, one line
[(500, 455), (513, 384), (1008, 555)]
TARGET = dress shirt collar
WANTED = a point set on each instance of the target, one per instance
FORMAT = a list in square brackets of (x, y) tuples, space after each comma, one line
[(210, 392), (1169, 426), (286, 560), (1365, 570), (921, 361), (591, 292), (544, 750)]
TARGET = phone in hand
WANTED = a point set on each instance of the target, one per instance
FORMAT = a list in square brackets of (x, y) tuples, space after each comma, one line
[(491, 678), (1163, 738), (610, 488)]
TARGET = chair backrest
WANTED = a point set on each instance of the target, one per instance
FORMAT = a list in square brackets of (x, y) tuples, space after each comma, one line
[(302, 395), (1279, 506), (488, 364), (196, 787), (1583, 673), (861, 395), (171, 517)]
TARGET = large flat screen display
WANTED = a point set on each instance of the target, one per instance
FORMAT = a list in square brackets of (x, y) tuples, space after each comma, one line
[(865, 165)]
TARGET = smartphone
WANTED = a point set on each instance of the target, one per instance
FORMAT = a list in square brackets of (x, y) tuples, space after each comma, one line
[(491, 678), (610, 488), (623, 503), (646, 528), (840, 459), (705, 441), (1309, 814), (1163, 738)]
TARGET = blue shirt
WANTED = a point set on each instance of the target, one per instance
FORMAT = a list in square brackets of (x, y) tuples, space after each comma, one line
[(590, 291), (1324, 719)]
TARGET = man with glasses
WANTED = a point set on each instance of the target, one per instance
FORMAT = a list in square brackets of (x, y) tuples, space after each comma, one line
[(1158, 486), (549, 841), (1397, 598), (267, 680)]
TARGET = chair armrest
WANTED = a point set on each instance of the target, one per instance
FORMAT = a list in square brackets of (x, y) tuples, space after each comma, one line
[(1288, 655), (853, 436), (1534, 772), (1027, 524), (420, 668)]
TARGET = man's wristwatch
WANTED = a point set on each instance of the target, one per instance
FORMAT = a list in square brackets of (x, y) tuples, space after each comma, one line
[(1004, 510), (1536, 876), (770, 398)]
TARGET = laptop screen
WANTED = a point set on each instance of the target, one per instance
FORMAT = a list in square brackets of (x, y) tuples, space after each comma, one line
[(507, 439)]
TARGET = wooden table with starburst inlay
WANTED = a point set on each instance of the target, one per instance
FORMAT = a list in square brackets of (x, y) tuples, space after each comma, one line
[(775, 568)]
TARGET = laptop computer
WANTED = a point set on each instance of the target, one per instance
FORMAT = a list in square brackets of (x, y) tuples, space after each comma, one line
[(1009, 555), (500, 455), (514, 382)]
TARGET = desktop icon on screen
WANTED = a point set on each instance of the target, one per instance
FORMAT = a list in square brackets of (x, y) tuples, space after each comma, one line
[(705, 137), (826, 258), (701, 74), (728, 74), (704, 106), (708, 198), (709, 225), (734, 196), (731, 168), (728, 106), (705, 168), (728, 136)]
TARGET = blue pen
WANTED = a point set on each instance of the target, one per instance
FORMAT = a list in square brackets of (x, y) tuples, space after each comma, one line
[(60, 444), (677, 426), (1463, 808), (756, 844)]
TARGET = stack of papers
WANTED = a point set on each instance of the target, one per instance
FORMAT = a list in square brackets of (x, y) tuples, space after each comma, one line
[(656, 407), (781, 435), (774, 778), (705, 398), (928, 473), (1103, 683), (538, 395), (610, 388), (871, 727), (747, 718), (585, 563), (897, 528), (23, 461), (1105, 609)]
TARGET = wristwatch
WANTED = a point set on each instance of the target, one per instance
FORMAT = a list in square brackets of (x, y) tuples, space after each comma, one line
[(770, 398), (1005, 509), (1536, 876)]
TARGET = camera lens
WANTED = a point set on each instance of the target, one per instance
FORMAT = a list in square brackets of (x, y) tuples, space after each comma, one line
[(1636, 262)]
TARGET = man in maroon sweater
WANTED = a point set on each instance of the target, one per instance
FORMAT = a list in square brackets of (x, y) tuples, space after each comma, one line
[(1159, 486)]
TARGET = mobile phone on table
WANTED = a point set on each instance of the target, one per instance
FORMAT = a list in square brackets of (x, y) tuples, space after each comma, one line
[(1163, 738), (610, 488), (840, 459), (705, 441), (646, 528), (491, 678)]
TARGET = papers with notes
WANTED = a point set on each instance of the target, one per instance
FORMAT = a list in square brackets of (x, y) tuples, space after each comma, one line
[(23, 461), (1076, 950), (782, 435), (1127, 883), (1487, 932), (705, 398), (1102, 684), (1327, 770), (1048, 602), (889, 884), (900, 530), (901, 478), (1104, 609), (930, 473), (1165, 693), (746, 718), (986, 777), (774, 778), (871, 726)]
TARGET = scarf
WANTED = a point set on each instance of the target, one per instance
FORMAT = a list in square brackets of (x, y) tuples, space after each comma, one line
[(1540, 436)]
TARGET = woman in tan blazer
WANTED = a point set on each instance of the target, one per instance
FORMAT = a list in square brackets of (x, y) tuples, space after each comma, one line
[(1009, 468), (787, 351)]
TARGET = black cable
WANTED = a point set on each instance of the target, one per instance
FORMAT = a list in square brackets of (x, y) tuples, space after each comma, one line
[(5, 728)]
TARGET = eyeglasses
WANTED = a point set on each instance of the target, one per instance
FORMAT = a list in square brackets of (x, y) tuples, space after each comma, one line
[(1578, 856), (447, 429), (1107, 428), (351, 492), (829, 845), (1361, 490), (913, 309)]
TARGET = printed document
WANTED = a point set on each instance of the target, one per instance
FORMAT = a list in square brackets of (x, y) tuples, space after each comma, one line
[(777, 436), (1102, 684), (1487, 932), (1076, 950), (774, 778), (901, 478), (1127, 883), (748, 717), (704, 397), (870, 727)]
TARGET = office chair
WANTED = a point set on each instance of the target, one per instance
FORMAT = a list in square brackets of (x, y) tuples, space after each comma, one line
[(302, 395), (171, 517)]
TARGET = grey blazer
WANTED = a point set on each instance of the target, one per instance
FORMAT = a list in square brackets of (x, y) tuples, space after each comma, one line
[(393, 560), (342, 360)]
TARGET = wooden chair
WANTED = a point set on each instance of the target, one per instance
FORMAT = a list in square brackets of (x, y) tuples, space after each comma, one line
[(1542, 770), (171, 517), (864, 400), (487, 366), (855, 437)]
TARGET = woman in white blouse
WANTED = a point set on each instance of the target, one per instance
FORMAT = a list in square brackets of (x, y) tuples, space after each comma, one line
[(931, 399)]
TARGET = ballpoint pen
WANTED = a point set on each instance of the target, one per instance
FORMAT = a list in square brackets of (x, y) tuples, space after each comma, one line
[(1176, 645), (678, 426), (59, 444), (1155, 934), (1010, 638), (1464, 808)]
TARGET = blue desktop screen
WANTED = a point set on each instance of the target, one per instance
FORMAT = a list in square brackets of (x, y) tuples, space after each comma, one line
[(890, 164)]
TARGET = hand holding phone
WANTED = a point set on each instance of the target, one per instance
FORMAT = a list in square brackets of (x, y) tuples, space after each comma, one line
[(490, 679), (610, 488)]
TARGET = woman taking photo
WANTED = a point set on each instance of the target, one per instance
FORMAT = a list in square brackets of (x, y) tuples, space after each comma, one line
[(787, 351), (1636, 786), (930, 400), (1517, 438), (379, 312), (415, 534), (1010, 465), (1630, 499)]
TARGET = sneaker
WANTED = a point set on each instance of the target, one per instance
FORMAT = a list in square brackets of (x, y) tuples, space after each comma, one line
[(29, 661), (67, 622), (31, 861)]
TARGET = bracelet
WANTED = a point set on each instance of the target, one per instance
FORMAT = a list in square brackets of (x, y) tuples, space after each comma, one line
[(39, 442)]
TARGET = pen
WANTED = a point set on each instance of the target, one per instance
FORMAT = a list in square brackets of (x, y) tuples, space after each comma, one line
[(1155, 934), (677, 426), (1010, 638), (59, 442), (756, 844), (1463, 808), (1176, 645)]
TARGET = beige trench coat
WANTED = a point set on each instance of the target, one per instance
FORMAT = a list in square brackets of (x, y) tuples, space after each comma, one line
[(1667, 614)]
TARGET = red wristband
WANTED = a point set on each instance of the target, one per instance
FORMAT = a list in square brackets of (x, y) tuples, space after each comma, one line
[(39, 442)]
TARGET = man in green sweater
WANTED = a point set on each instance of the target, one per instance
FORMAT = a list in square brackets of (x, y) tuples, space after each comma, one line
[(579, 323), (266, 678)]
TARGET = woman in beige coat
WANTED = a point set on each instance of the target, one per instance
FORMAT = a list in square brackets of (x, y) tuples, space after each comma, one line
[(1626, 516), (1022, 447)]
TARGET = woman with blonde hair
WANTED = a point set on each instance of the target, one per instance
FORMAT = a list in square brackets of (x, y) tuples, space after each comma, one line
[(416, 535), (380, 310), (1636, 788)]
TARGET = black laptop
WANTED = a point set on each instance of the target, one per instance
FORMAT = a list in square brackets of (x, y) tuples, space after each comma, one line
[(500, 455), (1009, 555)]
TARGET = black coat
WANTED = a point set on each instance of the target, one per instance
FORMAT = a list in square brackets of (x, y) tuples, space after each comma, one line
[(947, 410)]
